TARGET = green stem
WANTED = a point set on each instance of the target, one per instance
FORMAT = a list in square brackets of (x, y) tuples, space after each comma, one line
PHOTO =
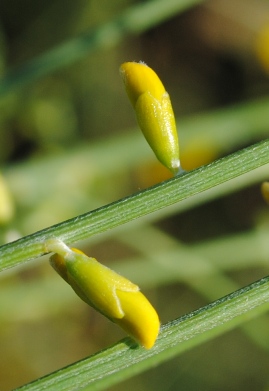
[(125, 359), (28, 180), (137, 205)]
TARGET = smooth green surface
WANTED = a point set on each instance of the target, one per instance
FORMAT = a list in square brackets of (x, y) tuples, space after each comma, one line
[(137, 205), (125, 359)]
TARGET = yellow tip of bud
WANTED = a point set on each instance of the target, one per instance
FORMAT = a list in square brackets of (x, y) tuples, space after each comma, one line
[(109, 293), (140, 318), (154, 112), (138, 79)]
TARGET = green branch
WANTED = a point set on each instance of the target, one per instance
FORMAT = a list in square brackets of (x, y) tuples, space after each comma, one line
[(125, 359), (239, 123), (137, 205)]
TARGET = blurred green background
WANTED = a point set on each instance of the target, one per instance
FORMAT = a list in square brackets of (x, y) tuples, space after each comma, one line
[(69, 144)]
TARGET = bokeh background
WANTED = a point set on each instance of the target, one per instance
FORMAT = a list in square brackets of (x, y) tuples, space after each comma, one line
[(69, 143)]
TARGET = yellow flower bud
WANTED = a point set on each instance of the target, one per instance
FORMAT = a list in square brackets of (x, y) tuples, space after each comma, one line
[(154, 112), (109, 293)]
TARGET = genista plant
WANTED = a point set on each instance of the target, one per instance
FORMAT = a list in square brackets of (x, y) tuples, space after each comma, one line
[(72, 187)]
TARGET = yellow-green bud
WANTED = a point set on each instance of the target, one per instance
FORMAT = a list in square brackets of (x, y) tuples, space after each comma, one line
[(154, 112), (109, 293)]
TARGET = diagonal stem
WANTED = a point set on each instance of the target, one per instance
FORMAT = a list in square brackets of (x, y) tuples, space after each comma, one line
[(137, 205)]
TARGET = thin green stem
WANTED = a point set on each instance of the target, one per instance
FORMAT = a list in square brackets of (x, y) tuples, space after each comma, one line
[(125, 359), (137, 205), (236, 124)]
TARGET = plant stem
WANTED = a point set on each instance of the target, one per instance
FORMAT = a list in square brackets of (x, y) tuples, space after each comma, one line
[(125, 359), (137, 205)]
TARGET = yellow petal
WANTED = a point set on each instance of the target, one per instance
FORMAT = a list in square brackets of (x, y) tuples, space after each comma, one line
[(154, 112), (140, 319), (139, 78)]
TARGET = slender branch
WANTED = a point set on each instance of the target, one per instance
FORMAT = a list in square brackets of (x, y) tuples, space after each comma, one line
[(137, 205), (239, 123), (125, 359)]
